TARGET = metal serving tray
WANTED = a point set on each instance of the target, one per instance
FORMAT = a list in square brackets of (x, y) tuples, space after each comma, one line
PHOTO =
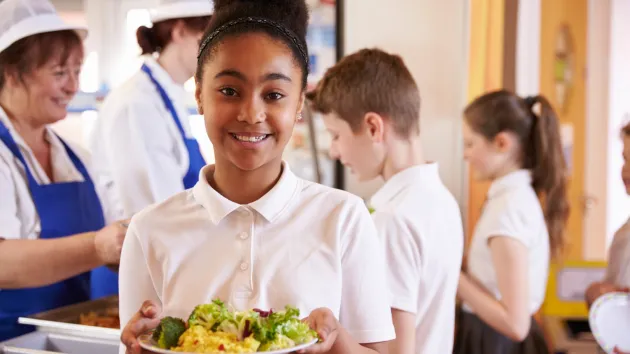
[(47, 343), (65, 320)]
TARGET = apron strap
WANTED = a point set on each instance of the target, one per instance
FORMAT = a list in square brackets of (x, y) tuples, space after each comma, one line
[(76, 161), (9, 142), (167, 101), (7, 139)]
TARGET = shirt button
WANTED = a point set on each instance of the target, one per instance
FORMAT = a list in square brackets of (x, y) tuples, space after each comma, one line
[(244, 266), (243, 235), (244, 212)]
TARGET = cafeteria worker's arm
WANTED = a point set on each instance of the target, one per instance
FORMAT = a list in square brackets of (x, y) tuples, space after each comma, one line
[(33, 263)]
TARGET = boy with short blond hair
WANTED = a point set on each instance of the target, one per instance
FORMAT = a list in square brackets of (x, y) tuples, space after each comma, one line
[(371, 107)]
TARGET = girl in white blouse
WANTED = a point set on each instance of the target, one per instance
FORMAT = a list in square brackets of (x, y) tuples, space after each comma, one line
[(250, 232), (618, 270), (516, 147)]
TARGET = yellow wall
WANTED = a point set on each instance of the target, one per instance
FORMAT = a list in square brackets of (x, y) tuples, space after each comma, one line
[(573, 14), (485, 74), (486, 69)]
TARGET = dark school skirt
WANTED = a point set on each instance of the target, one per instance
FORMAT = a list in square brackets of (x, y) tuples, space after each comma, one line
[(473, 336)]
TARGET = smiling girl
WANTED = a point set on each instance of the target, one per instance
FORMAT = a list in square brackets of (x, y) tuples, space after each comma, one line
[(515, 144), (250, 232)]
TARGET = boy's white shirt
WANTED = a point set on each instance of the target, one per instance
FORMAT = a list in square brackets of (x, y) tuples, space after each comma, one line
[(420, 226)]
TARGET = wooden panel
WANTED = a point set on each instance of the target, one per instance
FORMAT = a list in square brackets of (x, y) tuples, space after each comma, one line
[(486, 71), (569, 16), (510, 29)]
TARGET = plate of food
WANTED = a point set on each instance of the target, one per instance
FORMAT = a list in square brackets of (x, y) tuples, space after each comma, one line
[(609, 319), (215, 329)]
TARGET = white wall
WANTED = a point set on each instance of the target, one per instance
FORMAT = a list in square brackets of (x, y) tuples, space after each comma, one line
[(528, 48), (597, 87), (68, 5), (608, 89), (432, 38)]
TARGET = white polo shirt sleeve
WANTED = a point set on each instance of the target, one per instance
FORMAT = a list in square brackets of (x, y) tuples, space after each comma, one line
[(403, 261), (617, 271), (509, 220), (135, 282), (11, 224), (365, 311), (145, 171)]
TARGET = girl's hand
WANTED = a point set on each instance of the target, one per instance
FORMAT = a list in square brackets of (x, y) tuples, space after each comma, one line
[(146, 319), (323, 322), (596, 290)]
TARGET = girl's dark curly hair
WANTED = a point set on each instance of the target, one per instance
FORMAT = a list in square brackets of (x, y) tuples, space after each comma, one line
[(284, 20)]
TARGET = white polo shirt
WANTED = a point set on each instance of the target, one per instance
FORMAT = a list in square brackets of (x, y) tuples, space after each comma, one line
[(420, 224), (618, 270), (302, 244), (512, 210), (18, 215)]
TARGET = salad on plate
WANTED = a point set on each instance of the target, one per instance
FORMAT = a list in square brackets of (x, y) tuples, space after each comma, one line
[(213, 328)]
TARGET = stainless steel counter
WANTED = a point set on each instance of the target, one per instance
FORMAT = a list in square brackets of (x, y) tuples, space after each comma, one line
[(65, 320), (60, 331), (48, 343)]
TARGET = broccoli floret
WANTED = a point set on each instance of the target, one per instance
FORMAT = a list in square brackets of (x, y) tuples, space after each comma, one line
[(210, 315), (168, 332)]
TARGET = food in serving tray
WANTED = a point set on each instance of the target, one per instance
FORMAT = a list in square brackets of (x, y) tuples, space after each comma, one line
[(213, 328), (108, 319)]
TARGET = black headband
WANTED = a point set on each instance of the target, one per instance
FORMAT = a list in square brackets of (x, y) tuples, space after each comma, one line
[(256, 20)]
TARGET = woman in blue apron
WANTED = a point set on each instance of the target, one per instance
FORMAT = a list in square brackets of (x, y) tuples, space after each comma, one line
[(53, 222), (143, 147)]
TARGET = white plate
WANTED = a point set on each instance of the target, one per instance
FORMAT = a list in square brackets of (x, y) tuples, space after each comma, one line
[(609, 319), (147, 342)]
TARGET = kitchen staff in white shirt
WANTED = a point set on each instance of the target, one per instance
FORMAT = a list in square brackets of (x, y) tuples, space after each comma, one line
[(142, 144), (250, 232), (515, 144), (371, 107), (52, 220)]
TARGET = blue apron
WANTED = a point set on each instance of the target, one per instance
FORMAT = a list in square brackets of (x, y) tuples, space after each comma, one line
[(64, 209), (196, 161)]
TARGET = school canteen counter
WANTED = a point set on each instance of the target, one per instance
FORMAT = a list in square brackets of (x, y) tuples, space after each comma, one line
[(89, 327)]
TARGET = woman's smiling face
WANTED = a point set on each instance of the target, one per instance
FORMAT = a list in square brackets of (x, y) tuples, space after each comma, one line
[(250, 102)]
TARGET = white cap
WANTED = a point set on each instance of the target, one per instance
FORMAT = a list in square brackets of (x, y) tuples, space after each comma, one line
[(22, 18), (170, 9)]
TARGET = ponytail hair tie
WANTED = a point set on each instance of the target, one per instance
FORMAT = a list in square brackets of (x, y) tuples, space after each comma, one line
[(530, 101)]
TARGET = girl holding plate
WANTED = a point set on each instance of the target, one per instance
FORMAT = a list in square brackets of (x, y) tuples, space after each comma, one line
[(250, 232), (618, 271)]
